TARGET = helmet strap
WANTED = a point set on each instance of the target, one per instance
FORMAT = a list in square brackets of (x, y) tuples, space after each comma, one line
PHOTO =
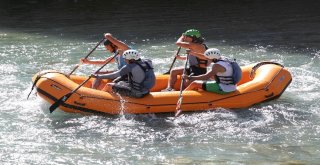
[(215, 60), (197, 40), (132, 61)]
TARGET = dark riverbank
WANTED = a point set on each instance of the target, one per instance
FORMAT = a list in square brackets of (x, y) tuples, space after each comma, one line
[(288, 23)]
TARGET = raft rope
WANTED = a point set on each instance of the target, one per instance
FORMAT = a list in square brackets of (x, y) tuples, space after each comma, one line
[(38, 78), (253, 71), (148, 105), (210, 102), (266, 87)]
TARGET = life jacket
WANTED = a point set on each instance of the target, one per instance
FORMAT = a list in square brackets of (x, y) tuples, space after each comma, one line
[(149, 76), (236, 73), (119, 60), (199, 61)]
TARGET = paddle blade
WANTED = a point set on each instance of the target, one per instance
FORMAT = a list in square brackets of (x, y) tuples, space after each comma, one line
[(178, 108), (55, 105), (178, 112)]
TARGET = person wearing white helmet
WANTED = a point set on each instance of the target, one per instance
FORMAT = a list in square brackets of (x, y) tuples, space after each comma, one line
[(141, 77), (192, 41), (222, 78), (112, 45)]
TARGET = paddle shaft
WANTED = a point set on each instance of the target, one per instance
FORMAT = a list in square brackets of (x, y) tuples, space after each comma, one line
[(178, 108), (77, 66), (174, 60), (66, 97)]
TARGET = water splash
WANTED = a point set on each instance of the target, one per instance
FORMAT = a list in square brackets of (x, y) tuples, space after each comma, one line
[(281, 130)]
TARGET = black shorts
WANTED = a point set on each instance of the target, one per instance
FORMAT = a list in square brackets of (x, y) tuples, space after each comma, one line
[(196, 70)]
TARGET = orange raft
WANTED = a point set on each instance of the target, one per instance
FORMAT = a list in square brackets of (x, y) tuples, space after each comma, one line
[(261, 82)]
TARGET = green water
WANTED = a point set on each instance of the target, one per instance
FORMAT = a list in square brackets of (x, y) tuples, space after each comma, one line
[(40, 35)]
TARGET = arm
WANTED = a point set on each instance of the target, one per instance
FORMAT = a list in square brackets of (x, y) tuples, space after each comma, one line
[(121, 45), (123, 71), (181, 57), (180, 42), (216, 68), (187, 45), (193, 48), (96, 62), (199, 55)]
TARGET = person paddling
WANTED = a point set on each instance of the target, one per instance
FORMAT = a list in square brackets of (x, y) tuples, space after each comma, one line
[(112, 45), (193, 42), (222, 78), (141, 77)]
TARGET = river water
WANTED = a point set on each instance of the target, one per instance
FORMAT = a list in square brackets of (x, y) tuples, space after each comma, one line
[(38, 35)]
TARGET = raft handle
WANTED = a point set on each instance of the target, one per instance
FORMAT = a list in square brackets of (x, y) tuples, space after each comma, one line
[(81, 104), (270, 95), (55, 86), (260, 64)]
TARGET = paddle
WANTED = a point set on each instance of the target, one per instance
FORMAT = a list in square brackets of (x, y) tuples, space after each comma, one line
[(77, 66), (174, 60), (74, 69), (66, 97), (178, 108)]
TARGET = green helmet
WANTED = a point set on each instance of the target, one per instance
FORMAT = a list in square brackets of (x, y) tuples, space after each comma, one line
[(192, 33)]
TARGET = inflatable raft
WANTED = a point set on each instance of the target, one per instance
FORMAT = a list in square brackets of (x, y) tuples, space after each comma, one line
[(260, 82)]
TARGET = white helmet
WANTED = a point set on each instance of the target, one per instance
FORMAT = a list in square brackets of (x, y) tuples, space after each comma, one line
[(131, 54), (212, 53)]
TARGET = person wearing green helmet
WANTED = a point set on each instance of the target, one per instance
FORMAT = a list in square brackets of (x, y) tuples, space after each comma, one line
[(192, 41), (192, 33)]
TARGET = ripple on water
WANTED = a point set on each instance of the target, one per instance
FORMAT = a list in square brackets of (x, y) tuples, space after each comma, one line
[(277, 131), (137, 134)]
